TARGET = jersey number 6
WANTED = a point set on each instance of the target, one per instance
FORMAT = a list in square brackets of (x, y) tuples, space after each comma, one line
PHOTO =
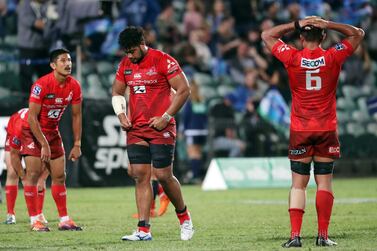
[(316, 79)]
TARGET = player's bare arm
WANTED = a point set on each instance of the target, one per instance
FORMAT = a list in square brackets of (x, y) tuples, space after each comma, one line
[(77, 129), (119, 104), (353, 34), (34, 110), (180, 84), (272, 36), (15, 160)]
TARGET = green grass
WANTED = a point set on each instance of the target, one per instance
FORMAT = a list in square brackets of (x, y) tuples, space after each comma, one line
[(247, 219)]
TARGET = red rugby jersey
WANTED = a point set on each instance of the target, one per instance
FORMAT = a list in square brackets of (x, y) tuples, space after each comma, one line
[(150, 92), (15, 124), (54, 97), (313, 78)]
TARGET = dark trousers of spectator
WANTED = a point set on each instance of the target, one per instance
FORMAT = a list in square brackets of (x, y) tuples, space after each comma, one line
[(32, 61)]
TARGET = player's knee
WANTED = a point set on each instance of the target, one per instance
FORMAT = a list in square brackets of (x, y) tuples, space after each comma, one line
[(323, 168), (300, 167), (162, 155), (164, 177), (58, 178), (138, 154), (12, 176)]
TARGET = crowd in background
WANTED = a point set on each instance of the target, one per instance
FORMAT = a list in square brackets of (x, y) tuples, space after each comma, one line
[(240, 94)]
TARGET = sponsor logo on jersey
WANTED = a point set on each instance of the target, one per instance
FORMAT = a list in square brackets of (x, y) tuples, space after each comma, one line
[(334, 149), (313, 63), (170, 63), (139, 89), (166, 134), (283, 47), (69, 98), (59, 100), (151, 71), (297, 151), (53, 113), (137, 75), (128, 72), (339, 46), (37, 90), (31, 145), (50, 96)]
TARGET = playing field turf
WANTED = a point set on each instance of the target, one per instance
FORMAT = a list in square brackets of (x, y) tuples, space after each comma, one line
[(247, 219)]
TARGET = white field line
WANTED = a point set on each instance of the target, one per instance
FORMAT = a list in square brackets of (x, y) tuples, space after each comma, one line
[(283, 202)]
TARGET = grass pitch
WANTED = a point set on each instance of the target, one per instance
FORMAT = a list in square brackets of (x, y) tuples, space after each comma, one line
[(247, 219)]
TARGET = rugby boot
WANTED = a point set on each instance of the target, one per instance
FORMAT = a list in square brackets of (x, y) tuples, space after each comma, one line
[(69, 225), (294, 242), (323, 242)]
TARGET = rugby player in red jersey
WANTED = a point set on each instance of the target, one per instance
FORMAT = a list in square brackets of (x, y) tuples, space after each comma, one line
[(15, 170), (41, 143), (151, 131), (313, 77)]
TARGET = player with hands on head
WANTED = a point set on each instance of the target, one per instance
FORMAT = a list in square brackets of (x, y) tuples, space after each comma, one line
[(313, 77)]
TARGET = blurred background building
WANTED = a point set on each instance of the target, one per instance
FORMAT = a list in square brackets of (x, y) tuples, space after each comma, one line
[(240, 103)]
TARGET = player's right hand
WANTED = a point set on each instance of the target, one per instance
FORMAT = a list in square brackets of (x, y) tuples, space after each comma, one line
[(45, 153), (125, 123)]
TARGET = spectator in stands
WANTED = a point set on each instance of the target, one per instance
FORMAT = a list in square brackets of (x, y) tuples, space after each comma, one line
[(358, 67), (253, 90), (225, 139), (258, 132), (225, 41), (194, 128), (193, 17), (218, 12), (167, 28), (247, 57), (140, 12), (188, 59), (3, 11), (31, 41), (197, 39)]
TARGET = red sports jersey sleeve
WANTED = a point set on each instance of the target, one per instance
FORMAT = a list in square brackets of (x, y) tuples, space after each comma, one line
[(37, 92), (169, 67), (76, 93), (341, 51), (120, 74), (283, 52)]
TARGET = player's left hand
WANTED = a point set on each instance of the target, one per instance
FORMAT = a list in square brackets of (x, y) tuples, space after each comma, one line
[(159, 123), (75, 153)]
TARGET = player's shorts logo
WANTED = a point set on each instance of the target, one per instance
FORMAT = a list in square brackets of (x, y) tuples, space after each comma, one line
[(334, 149), (297, 151), (16, 141), (139, 89)]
